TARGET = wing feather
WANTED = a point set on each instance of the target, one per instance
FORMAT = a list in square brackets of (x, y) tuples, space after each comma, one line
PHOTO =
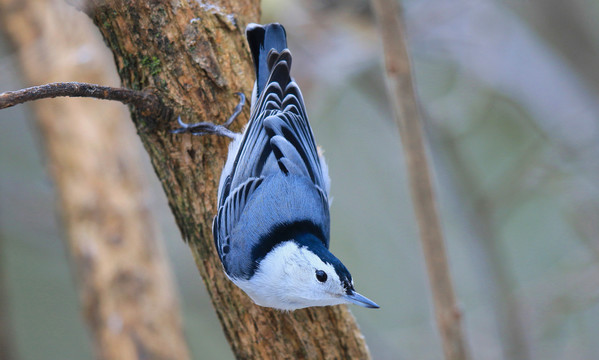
[(278, 141)]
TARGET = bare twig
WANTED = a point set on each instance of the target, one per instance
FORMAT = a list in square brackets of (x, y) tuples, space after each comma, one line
[(407, 115), (147, 102)]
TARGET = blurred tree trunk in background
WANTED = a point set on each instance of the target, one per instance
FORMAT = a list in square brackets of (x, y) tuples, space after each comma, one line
[(6, 337), (407, 113), (126, 286), (568, 27), (495, 270)]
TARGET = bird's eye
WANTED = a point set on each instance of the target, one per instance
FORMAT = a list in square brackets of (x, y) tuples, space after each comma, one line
[(321, 276)]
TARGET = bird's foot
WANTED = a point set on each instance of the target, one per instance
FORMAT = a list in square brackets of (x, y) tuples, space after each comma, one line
[(208, 128)]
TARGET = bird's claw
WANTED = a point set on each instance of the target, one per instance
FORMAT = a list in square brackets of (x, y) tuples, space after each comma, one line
[(208, 128), (203, 128)]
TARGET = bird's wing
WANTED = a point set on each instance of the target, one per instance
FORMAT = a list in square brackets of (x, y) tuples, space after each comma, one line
[(279, 137), (277, 142), (229, 213)]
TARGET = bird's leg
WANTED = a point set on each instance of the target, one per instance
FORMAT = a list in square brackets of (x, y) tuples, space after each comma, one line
[(207, 128)]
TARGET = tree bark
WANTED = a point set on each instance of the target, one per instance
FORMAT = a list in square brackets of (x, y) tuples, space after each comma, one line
[(195, 56), (406, 108), (126, 286)]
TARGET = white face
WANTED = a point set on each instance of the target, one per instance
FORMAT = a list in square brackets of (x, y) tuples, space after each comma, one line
[(287, 280)]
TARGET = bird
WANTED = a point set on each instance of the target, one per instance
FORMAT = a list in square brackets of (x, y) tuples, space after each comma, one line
[(272, 227)]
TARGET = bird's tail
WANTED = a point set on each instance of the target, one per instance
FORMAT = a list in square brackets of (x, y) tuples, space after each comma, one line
[(262, 39)]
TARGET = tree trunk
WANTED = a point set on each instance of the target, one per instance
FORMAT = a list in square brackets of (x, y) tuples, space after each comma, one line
[(126, 286), (194, 55)]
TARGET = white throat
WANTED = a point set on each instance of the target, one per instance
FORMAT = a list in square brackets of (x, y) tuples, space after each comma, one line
[(285, 279)]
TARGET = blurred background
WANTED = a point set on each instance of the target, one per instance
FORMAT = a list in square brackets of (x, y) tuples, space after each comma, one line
[(510, 93)]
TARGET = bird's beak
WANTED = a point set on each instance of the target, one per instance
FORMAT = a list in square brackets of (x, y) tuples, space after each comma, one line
[(358, 299)]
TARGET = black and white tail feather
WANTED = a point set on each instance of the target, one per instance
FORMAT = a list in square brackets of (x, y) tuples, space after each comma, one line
[(272, 226)]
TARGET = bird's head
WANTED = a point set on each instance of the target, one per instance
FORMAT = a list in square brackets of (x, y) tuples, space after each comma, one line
[(301, 273)]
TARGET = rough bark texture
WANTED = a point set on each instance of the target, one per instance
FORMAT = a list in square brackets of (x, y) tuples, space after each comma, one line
[(126, 286), (407, 114), (195, 56)]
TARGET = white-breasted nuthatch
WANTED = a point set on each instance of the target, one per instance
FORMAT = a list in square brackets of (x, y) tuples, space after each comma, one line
[(272, 227)]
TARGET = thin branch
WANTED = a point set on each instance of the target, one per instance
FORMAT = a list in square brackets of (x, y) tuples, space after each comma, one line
[(145, 101), (407, 114)]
